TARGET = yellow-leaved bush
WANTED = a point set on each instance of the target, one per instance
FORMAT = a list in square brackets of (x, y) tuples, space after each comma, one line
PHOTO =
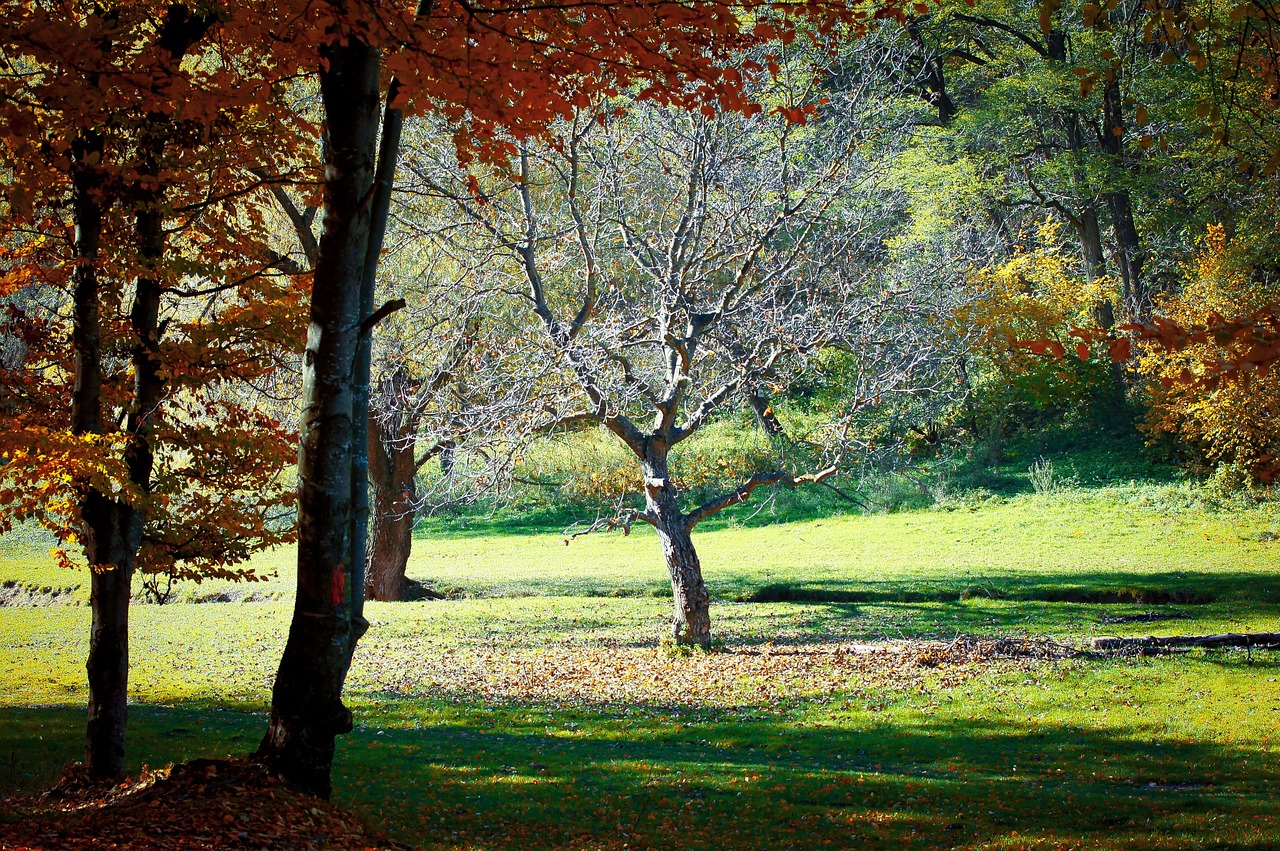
[(1036, 295), (1237, 423)]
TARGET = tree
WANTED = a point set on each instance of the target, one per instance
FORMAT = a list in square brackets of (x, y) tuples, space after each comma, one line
[(480, 69), (449, 389), (1233, 423), (115, 173), (674, 260)]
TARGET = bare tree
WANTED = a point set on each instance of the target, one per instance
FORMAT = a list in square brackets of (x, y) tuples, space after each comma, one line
[(675, 263), (449, 387)]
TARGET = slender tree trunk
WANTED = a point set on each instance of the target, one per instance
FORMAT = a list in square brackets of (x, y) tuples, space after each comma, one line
[(108, 663), (112, 528), (1095, 257), (768, 423), (307, 712), (116, 526), (691, 623), (391, 489), (1129, 253), (931, 76), (1103, 311)]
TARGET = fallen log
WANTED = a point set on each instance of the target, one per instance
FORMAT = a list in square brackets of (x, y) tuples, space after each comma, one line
[(1260, 640)]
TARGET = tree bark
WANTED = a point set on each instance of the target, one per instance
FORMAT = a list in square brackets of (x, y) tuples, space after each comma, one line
[(391, 471), (307, 712), (112, 527), (1130, 256), (758, 399), (691, 622), (117, 526), (931, 76), (108, 663)]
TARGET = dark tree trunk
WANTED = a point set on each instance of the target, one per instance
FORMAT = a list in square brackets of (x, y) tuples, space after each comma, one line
[(1103, 311), (1130, 256), (768, 423), (1095, 257), (108, 663), (307, 712), (112, 527), (931, 76), (391, 488), (691, 623)]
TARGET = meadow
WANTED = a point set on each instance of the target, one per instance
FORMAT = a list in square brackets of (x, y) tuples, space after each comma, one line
[(857, 696)]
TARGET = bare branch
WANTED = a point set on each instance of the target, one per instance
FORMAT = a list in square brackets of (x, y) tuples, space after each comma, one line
[(743, 493)]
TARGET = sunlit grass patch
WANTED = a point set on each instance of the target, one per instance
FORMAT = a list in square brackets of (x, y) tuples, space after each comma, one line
[(541, 712)]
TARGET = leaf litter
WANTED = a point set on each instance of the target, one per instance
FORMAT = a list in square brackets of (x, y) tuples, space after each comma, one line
[(758, 675), (233, 804), (239, 805)]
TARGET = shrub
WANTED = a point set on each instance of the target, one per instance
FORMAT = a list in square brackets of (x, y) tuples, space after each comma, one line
[(1238, 423)]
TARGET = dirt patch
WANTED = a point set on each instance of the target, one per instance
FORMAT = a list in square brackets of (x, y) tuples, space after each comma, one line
[(1144, 617), (415, 591), (204, 804), (1140, 596), (235, 595)]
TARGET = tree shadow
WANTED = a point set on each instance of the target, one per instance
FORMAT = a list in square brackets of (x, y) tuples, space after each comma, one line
[(721, 780), (468, 773)]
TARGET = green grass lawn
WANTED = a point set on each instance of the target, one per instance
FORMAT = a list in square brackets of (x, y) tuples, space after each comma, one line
[(539, 711)]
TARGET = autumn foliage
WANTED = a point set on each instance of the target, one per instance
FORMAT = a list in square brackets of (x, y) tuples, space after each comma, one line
[(1030, 306), (1217, 388), (103, 119)]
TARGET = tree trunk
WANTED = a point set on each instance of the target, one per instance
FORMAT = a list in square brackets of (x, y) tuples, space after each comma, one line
[(112, 528), (758, 399), (1129, 254), (116, 527), (931, 76), (691, 624), (391, 488), (307, 712), (108, 662)]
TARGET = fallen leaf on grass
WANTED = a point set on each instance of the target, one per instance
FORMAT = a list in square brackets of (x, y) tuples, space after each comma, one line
[(738, 676)]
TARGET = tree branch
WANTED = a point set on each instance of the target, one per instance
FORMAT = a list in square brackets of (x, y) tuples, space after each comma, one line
[(744, 491)]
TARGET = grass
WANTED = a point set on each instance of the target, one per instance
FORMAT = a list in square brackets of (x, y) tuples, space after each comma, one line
[(540, 712)]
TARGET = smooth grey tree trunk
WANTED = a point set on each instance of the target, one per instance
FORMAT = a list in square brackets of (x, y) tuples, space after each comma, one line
[(307, 712)]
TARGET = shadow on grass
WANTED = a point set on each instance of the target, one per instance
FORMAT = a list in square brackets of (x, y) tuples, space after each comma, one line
[(534, 775), (1183, 588), (36, 742), (543, 777)]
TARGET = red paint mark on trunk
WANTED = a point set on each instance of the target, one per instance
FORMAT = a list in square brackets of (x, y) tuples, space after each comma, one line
[(339, 584)]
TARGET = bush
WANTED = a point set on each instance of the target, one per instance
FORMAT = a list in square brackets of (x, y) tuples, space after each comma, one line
[(1236, 425)]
